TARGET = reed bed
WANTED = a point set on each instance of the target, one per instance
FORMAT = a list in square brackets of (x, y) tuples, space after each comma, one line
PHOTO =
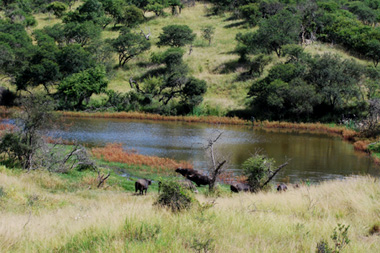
[(116, 153), (157, 117), (36, 219)]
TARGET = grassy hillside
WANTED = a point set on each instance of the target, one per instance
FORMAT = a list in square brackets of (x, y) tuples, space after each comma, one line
[(42, 212), (216, 64)]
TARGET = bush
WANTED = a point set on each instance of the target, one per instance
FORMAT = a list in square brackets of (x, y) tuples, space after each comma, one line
[(258, 168), (174, 196)]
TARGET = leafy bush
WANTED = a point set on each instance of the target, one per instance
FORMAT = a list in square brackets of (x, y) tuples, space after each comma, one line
[(257, 169), (174, 196)]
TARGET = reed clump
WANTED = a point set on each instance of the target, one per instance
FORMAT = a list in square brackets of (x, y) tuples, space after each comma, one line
[(157, 117), (114, 152)]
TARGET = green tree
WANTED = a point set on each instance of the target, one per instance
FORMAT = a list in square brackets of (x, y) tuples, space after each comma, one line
[(336, 80), (176, 36), (274, 32), (81, 33), (73, 59), (373, 51), (129, 45), (131, 16), (208, 33), (58, 8), (78, 87), (156, 6)]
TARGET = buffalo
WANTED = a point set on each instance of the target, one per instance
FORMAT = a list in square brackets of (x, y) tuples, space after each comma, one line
[(282, 187), (238, 187), (142, 185), (194, 176)]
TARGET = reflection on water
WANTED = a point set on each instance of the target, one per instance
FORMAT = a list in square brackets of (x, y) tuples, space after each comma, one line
[(313, 156)]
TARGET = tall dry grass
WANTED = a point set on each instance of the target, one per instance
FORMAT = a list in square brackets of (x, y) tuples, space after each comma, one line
[(117, 221), (157, 117), (116, 153)]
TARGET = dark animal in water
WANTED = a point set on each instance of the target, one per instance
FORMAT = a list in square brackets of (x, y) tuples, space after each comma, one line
[(238, 187), (194, 176), (282, 187), (142, 185)]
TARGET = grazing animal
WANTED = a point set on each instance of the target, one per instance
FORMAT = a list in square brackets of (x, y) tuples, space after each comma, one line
[(142, 185), (282, 187), (194, 176), (238, 187), (185, 172)]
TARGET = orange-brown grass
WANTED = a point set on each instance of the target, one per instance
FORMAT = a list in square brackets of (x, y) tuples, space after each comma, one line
[(312, 127), (116, 153), (362, 145), (150, 116)]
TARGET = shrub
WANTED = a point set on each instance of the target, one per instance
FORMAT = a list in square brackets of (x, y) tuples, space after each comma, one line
[(257, 169), (174, 196)]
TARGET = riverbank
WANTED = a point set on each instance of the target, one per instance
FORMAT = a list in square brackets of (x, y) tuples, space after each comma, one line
[(42, 212)]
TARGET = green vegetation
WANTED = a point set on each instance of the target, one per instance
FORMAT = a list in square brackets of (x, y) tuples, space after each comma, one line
[(95, 33)]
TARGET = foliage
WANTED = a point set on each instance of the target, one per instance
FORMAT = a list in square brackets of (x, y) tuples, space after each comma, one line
[(257, 169), (176, 36), (174, 196), (58, 8), (307, 87), (208, 33), (129, 45), (79, 87), (273, 34)]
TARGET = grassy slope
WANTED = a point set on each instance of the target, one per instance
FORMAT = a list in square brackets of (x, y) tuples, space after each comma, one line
[(34, 217), (215, 64)]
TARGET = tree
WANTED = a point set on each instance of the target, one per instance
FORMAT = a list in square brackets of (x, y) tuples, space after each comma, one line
[(250, 13), (81, 33), (176, 36), (336, 80), (373, 51), (78, 87), (131, 16), (156, 6), (208, 33), (58, 8), (274, 32), (90, 10), (216, 164), (73, 59), (129, 45)]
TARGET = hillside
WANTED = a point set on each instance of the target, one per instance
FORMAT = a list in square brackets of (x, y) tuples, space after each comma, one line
[(231, 65)]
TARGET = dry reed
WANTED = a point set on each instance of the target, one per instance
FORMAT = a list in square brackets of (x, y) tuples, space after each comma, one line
[(116, 153), (157, 117)]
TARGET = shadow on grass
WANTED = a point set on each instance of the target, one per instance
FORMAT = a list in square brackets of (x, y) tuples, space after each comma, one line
[(237, 24), (230, 67)]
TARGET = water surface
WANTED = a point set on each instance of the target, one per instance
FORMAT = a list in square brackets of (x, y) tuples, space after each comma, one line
[(313, 157)]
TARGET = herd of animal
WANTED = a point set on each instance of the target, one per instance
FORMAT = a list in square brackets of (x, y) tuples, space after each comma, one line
[(199, 179)]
